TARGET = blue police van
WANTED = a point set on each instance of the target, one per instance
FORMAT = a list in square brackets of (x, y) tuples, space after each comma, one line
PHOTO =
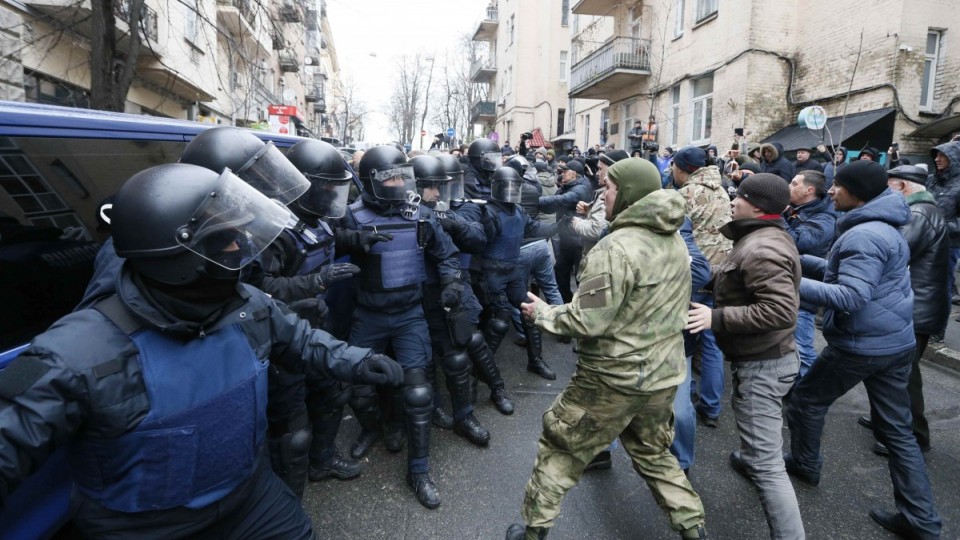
[(57, 165)]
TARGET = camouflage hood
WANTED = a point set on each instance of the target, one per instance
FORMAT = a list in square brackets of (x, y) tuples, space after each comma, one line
[(706, 176), (660, 212)]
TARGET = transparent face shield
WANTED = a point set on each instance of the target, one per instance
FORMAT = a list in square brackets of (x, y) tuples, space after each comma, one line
[(392, 184), (491, 161), (435, 194), (233, 224), (507, 191), (326, 198), (456, 186), (270, 173)]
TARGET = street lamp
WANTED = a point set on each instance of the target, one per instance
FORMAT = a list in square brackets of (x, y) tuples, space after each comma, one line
[(426, 98)]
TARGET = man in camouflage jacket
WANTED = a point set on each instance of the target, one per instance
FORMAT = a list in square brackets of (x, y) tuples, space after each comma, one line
[(627, 315)]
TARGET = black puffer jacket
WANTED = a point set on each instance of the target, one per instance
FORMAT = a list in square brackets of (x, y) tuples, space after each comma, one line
[(945, 186), (926, 234), (778, 165)]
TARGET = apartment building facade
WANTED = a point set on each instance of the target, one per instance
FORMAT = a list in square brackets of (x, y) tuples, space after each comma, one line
[(219, 61), (704, 68), (520, 78)]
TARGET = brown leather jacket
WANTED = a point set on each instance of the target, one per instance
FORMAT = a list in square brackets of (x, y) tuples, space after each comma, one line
[(757, 291)]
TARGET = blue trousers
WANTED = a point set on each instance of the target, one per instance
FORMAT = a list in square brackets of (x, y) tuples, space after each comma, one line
[(885, 377), (536, 259), (406, 331), (684, 422), (804, 334), (711, 367)]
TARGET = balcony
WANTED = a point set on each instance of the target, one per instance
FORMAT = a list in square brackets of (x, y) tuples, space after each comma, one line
[(164, 76), (482, 71), (290, 12), (313, 94), (483, 111), (596, 7), (312, 21), (239, 19), (487, 29), (77, 17), (288, 61), (617, 63)]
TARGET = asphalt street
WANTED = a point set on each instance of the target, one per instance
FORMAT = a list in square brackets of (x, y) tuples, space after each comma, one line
[(482, 488)]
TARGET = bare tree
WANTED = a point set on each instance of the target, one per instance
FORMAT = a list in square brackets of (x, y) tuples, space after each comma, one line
[(457, 91), (407, 99), (354, 112), (112, 66)]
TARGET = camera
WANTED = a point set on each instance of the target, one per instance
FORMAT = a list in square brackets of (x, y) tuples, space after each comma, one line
[(651, 146), (526, 136)]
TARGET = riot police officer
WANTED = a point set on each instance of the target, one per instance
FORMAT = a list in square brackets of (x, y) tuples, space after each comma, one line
[(506, 225), (464, 224), (160, 389), (389, 310), (483, 157)]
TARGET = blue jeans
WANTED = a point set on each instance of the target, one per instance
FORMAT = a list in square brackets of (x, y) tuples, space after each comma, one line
[(885, 378), (951, 275), (711, 367), (536, 259), (757, 401), (804, 334), (684, 422)]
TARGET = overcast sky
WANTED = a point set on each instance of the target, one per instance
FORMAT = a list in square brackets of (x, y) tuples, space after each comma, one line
[(370, 34)]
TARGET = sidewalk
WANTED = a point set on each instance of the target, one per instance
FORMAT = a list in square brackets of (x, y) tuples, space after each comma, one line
[(947, 354)]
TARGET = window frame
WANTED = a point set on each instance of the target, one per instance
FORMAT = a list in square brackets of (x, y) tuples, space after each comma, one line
[(563, 65), (703, 6), (679, 6), (675, 116), (929, 83), (700, 134)]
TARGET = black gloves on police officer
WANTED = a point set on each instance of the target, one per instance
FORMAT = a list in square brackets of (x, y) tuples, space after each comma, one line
[(312, 310), (357, 241), (452, 226), (378, 369), (332, 273), (450, 295)]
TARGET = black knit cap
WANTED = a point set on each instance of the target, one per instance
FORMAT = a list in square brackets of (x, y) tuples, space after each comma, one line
[(863, 179), (766, 191), (613, 156)]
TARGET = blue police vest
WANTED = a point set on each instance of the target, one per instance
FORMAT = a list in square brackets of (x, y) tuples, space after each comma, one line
[(319, 252), (390, 265), (202, 436), (505, 248)]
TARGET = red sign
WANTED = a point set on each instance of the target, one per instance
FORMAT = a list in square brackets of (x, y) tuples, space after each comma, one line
[(423, 132), (282, 110)]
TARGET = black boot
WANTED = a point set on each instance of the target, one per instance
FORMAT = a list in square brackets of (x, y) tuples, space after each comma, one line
[(519, 531), (418, 399), (456, 365), (442, 418), (289, 455), (535, 363), (489, 373), (336, 466), (365, 407), (325, 460), (470, 429)]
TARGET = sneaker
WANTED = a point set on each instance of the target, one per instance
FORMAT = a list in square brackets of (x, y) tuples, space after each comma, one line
[(709, 421)]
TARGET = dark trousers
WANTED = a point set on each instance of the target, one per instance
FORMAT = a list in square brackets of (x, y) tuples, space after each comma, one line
[(262, 508), (885, 377), (915, 388), (568, 254)]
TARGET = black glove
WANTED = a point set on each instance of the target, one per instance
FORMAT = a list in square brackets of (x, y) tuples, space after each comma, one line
[(368, 239), (312, 310), (332, 273), (450, 295), (379, 369), (452, 226)]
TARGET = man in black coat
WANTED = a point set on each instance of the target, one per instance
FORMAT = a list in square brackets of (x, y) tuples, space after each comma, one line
[(926, 234), (574, 188), (772, 161)]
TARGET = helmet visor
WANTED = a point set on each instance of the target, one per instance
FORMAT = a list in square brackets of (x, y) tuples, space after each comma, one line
[(326, 198), (233, 224), (393, 183), (491, 161), (456, 187), (507, 191), (270, 173), (434, 192)]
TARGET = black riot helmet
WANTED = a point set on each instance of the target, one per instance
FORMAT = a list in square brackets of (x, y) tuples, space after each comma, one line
[(518, 163), (257, 163), (433, 182), (484, 154), (176, 223), (505, 185), (324, 167), (386, 176), (451, 164)]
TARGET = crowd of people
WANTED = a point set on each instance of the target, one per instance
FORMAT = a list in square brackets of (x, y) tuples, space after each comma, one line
[(245, 298)]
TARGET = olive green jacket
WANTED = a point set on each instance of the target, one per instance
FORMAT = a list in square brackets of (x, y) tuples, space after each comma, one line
[(631, 306)]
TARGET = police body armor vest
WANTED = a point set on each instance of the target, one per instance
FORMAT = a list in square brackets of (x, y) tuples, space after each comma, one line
[(313, 254), (203, 433), (396, 264), (504, 250)]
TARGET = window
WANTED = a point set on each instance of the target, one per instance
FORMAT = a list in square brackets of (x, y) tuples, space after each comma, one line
[(629, 112), (929, 81), (563, 66), (706, 8), (635, 22), (604, 125), (511, 27), (586, 131), (678, 18), (190, 21), (565, 14), (702, 109), (675, 116), (561, 118)]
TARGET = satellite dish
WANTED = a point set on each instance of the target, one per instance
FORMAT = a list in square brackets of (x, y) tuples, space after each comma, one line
[(289, 94), (812, 117), (307, 60)]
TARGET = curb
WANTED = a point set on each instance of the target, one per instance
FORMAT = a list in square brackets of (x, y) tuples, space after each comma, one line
[(943, 356)]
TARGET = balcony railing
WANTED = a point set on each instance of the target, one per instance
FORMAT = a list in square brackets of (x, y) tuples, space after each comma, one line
[(247, 9), (492, 14), (482, 70), (617, 54), (487, 28), (483, 110), (122, 11)]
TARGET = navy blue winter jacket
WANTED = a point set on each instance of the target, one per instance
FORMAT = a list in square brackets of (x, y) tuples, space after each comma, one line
[(865, 280), (812, 226)]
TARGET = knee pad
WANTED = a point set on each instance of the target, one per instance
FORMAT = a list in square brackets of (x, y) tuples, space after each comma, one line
[(456, 361), (498, 326), (363, 398), (417, 392), (477, 342), (297, 442)]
